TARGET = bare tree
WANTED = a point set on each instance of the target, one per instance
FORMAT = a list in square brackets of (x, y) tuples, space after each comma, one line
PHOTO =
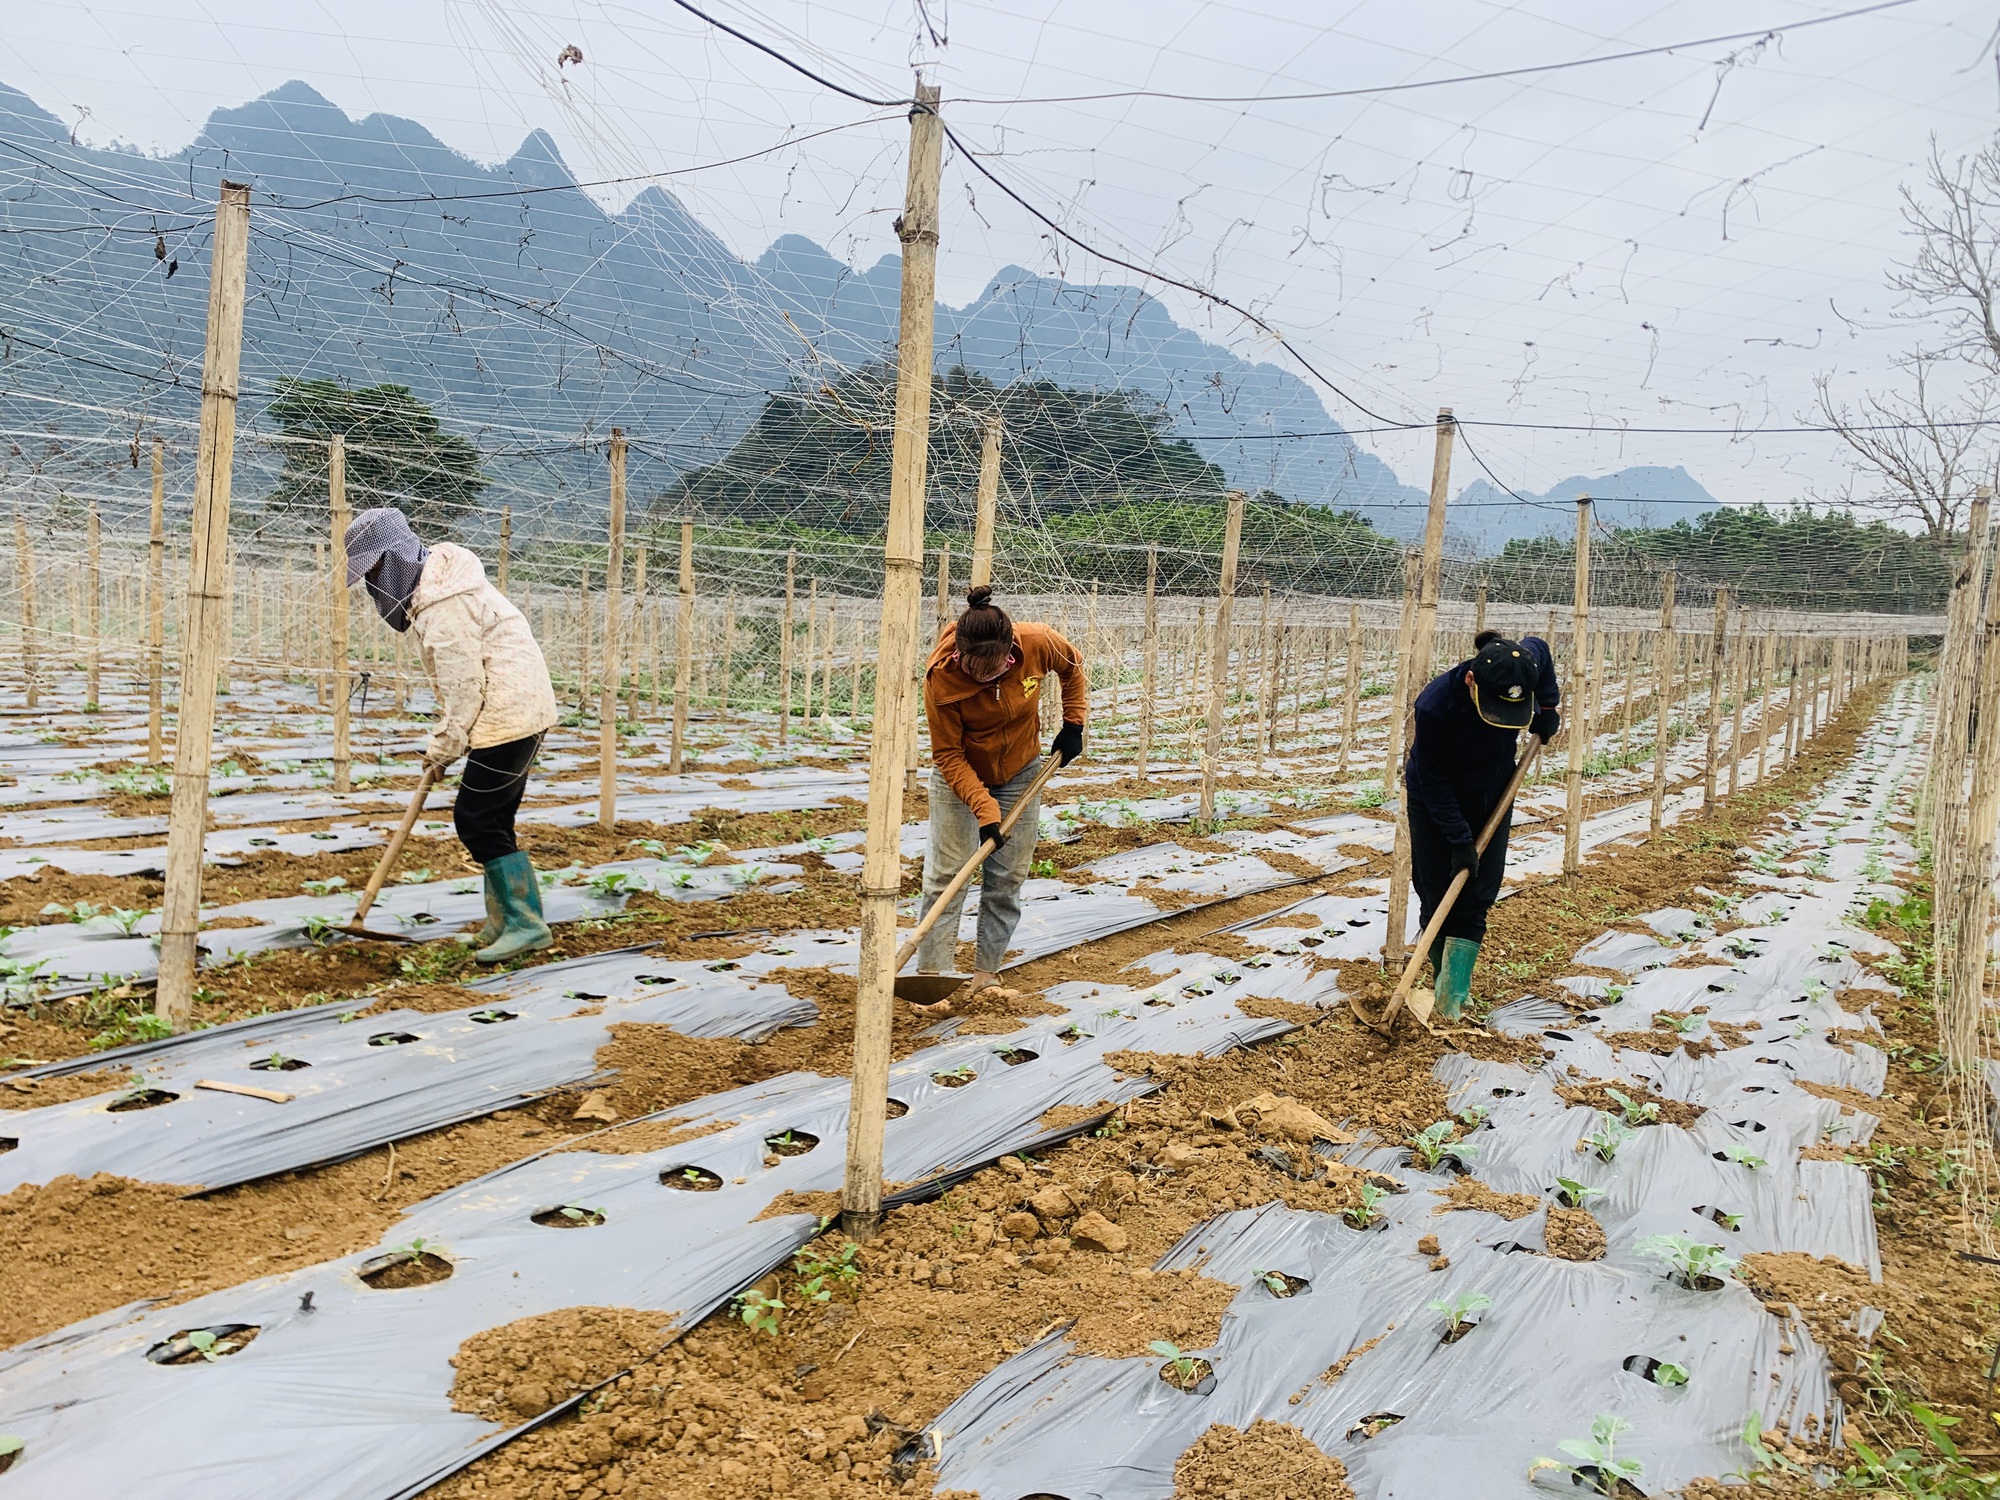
[(1926, 450), (1955, 274)]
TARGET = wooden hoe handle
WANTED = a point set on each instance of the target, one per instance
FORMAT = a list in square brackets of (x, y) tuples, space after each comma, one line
[(396, 842)]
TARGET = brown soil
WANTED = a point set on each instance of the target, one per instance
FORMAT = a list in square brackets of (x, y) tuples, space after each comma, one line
[(1574, 1234), (521, 1369), (1269, 1462), (1596, 1094), (1470, 1192), (33, 1093)]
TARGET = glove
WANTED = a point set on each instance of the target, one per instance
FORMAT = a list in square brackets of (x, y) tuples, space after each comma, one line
[(1545, 724), (1068, 742), (441, 750), (992, 831), (1464, 857)]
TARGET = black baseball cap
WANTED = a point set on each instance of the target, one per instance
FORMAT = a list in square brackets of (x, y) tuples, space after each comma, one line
[(1503, 684)]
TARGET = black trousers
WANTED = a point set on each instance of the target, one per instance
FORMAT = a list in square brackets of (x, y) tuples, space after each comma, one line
[(1430, 873), (489, 795)]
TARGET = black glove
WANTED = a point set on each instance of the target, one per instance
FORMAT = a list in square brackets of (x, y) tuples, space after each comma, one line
[(1545, 724), (991, 831), (1068, 743), (1464, 857)]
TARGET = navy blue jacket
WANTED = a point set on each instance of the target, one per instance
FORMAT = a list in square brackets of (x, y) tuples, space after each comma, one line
[(1459, 764)]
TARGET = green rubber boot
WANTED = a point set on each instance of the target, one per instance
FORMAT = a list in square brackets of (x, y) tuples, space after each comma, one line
[(522, 930), (496, 919), (1454, 989)]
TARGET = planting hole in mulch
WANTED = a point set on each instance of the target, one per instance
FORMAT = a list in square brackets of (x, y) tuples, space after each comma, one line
[(1013, 1057), (9, 1142), (1593, 1479), (1283, 1284), (1515, 1247), (201, 1346), (1698, 1283), (1501, 1091), (12, 1450), (1373, 1425), (493, 1017), (1727, 1220), (583, 995), (1456, 1331), (896, 1109), (410, 1266), (722, 966), (1753, 1126), (664, 981), (1659, 1371), (1189, 1376), (140, 1099), (688, 1179), (1559, 1036), (789, 1143), (957, 1078), (569, 1216), (277, 1062), (392, 1038)]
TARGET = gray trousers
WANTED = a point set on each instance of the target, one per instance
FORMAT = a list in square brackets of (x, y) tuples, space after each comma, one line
[(954, 840)]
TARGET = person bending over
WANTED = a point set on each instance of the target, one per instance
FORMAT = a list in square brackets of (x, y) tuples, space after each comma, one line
[(983, 694), (1462, 751), (494, 699)]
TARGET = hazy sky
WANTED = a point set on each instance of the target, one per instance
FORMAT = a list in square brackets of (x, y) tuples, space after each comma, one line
[(1683, 239)]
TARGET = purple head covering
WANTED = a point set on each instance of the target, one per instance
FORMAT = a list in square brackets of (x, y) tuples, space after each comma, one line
[(382, 549)]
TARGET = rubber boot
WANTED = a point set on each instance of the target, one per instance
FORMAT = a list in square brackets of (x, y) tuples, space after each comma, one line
[(1454, 989), (495, 918), (520, 895)]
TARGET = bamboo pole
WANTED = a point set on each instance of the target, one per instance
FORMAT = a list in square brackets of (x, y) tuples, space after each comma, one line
[(897, 659), (207, 608), (93, 609), (24, 561), (1718, 645), (1579, 730), (156, 609), (1740, 681), (684, 651), (812, 652), (614, 642), (505, 560), (1267, 691), (1149, 657), (1663, 665), (785, 650), (1967, 952), (1479, 612), (988, 506), (1218, 683), (1350, 706), (943, 589), (636, 635), (336, 601)]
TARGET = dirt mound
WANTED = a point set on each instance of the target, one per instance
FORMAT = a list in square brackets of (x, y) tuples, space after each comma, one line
[(1574, 1234), (521, 1369), (1470, 1192), (1269, 1462), (1595, 1093), (33, 1093)]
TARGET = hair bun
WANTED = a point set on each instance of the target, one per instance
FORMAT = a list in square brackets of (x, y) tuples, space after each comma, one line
[(979, 596), (1486, 638)]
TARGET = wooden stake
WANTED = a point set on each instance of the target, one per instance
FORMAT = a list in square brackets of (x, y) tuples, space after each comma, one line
[(1740, 680), (207, 608), (1663, 665), (336, 603), (505, 560), (944, 589), (785, 652), (897, 660), (156, 609), (1218, 678), (684, 652), (93, 609), (1479, 612), (1149, 657), (636, 633), (1350, 703), (989, 506), (24, 561), (1579, 736), (614, 643), (1718, 644)]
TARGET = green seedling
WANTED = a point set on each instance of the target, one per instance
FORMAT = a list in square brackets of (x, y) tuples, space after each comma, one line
[(963, 1070), (1474, 1115), (203, 1343), (1457, 1311), (1047, 869), (578, 1215), (1682, 1025), (1670, 1375), (1691, 1260), (1185, 1366), (1369, 796), (1634, 1112), (413, 877), (1275, 1281), (1576, 1194), (614, 882), (1597, 1465), (319, 930), (1429, 1143), (1743, 1156), (817, 1271), (327, 886), (759, 1312), (1607, 1139), (1369, 1209)]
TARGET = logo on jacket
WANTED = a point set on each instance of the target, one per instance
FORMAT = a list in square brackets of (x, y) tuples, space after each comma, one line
[(1029, 684)]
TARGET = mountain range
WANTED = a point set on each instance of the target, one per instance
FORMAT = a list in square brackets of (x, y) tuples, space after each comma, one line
[(534, 320)]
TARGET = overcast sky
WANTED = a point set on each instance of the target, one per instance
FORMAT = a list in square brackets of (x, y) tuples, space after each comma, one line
[(1683, 239)]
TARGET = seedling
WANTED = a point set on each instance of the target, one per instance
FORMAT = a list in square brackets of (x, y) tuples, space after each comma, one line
[(327, 886), (1576, 1194), (1598, 1466), (1743, 1156), (1186, 1369), (1670, 1375), (759, 1312), (1635, 1113), (413, 877), (1368, 1210), (1683, 1025), (1692, 1261), (1275, 1281), (1607, 1138), (1457, 1310), (816, 1271), (1429, 1143), (614, 882), (319, 930)]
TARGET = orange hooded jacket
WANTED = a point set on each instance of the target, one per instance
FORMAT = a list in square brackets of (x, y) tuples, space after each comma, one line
[(984, 733)]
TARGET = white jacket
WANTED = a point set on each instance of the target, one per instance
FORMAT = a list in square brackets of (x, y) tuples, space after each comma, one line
[(492, 684)]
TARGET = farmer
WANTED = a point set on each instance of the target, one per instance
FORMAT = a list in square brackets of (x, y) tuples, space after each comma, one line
[(494, 699), (1461, 760), (983, 695)]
